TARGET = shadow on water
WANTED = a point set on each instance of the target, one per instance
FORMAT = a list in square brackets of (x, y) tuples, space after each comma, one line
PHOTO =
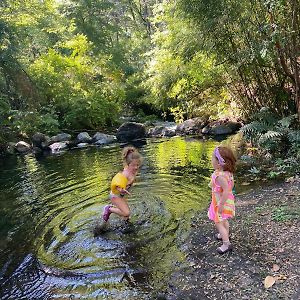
[(50, 207)]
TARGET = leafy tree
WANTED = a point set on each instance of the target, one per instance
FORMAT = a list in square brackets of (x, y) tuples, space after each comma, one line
[(255, 40)]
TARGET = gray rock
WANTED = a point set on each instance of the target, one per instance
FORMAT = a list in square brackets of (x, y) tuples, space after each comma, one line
[(220, 129), (22, 147), (205, 130), (11, 148), (169, 132), (131, 131), (41, 140), (82, 145), (235, 126), (58, 147), (103, 139), (83, 137), (61, 137), (191, 126), (156, 131)]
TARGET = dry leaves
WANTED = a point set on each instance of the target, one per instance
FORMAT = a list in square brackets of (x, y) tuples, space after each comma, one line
[(245, 183), (269, 281), (275, 268)]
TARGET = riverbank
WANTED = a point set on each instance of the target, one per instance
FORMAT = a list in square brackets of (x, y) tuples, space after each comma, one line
[(265, 235)]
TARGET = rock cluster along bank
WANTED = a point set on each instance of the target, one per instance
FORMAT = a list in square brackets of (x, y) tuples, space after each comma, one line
[(127, 132)]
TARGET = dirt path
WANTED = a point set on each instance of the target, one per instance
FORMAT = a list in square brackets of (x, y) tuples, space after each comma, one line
[(266, 240)]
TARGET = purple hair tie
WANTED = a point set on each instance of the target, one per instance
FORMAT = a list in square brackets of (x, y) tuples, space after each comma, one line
[(220, 159)]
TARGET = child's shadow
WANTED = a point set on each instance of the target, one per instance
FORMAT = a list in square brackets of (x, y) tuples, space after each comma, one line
[(122, 227), (100, 229)]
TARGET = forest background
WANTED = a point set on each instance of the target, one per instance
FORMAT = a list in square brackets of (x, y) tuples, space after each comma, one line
[(81, 64)]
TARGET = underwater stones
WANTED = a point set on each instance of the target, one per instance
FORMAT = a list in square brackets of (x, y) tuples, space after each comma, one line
[(58, 147)]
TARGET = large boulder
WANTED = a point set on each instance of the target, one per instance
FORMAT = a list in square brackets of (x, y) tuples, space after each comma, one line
[(103, 139), (191, 126), (131, 131), (22, 147), (156, 131), (161, 131), (83, 137), (41, 140), (221, 127)]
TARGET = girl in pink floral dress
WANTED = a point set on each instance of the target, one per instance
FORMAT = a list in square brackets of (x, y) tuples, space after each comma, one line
[(222, 205)]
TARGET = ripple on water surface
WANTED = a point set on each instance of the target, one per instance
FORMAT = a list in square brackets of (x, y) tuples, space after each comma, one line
[(59, 201)]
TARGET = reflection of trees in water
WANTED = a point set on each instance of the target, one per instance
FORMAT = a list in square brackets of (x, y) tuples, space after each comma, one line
[(64, 196)]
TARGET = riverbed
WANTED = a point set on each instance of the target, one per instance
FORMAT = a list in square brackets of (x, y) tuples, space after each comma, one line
[(49, 207)]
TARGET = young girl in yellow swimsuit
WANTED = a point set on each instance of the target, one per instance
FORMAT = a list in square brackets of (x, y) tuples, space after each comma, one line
[(121, 184)]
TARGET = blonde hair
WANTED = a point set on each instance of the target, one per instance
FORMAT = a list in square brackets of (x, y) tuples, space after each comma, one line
[(130, 154)]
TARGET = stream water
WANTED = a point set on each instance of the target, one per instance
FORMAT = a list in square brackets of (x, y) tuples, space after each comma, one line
[(50, 206)]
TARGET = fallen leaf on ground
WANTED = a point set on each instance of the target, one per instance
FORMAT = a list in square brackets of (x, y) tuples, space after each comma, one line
[(269, 281), (275, 268), (245, 183), (280, 277)]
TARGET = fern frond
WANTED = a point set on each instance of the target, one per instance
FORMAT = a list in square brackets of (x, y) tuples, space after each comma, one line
[(270, 137), (266, 115), (255, 127), (294, 136), (287, 121)]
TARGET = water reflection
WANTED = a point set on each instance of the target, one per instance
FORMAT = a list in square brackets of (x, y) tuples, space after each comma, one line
[(50, 206)]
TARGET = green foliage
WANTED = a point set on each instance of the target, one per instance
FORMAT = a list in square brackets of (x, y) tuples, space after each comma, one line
[(84, 94), (4, 108), (271, 134), (89, 60), (284, 213), (182, 78), (255, 42), (30, 122)]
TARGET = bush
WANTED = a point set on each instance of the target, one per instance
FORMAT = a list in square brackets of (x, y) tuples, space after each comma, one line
[(273, 135)]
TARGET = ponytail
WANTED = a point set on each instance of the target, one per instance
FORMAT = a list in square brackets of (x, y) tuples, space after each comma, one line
[(129, 154)]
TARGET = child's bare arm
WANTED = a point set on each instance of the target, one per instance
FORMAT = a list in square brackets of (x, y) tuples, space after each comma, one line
[(123, 190), (222, 182)]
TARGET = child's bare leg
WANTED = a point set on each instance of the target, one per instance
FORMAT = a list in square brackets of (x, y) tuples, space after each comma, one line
[(222, 228), (223, 231), (121, 209), (226, 224)]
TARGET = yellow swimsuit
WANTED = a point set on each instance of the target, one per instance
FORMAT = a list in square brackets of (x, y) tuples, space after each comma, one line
[(119, 181)]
